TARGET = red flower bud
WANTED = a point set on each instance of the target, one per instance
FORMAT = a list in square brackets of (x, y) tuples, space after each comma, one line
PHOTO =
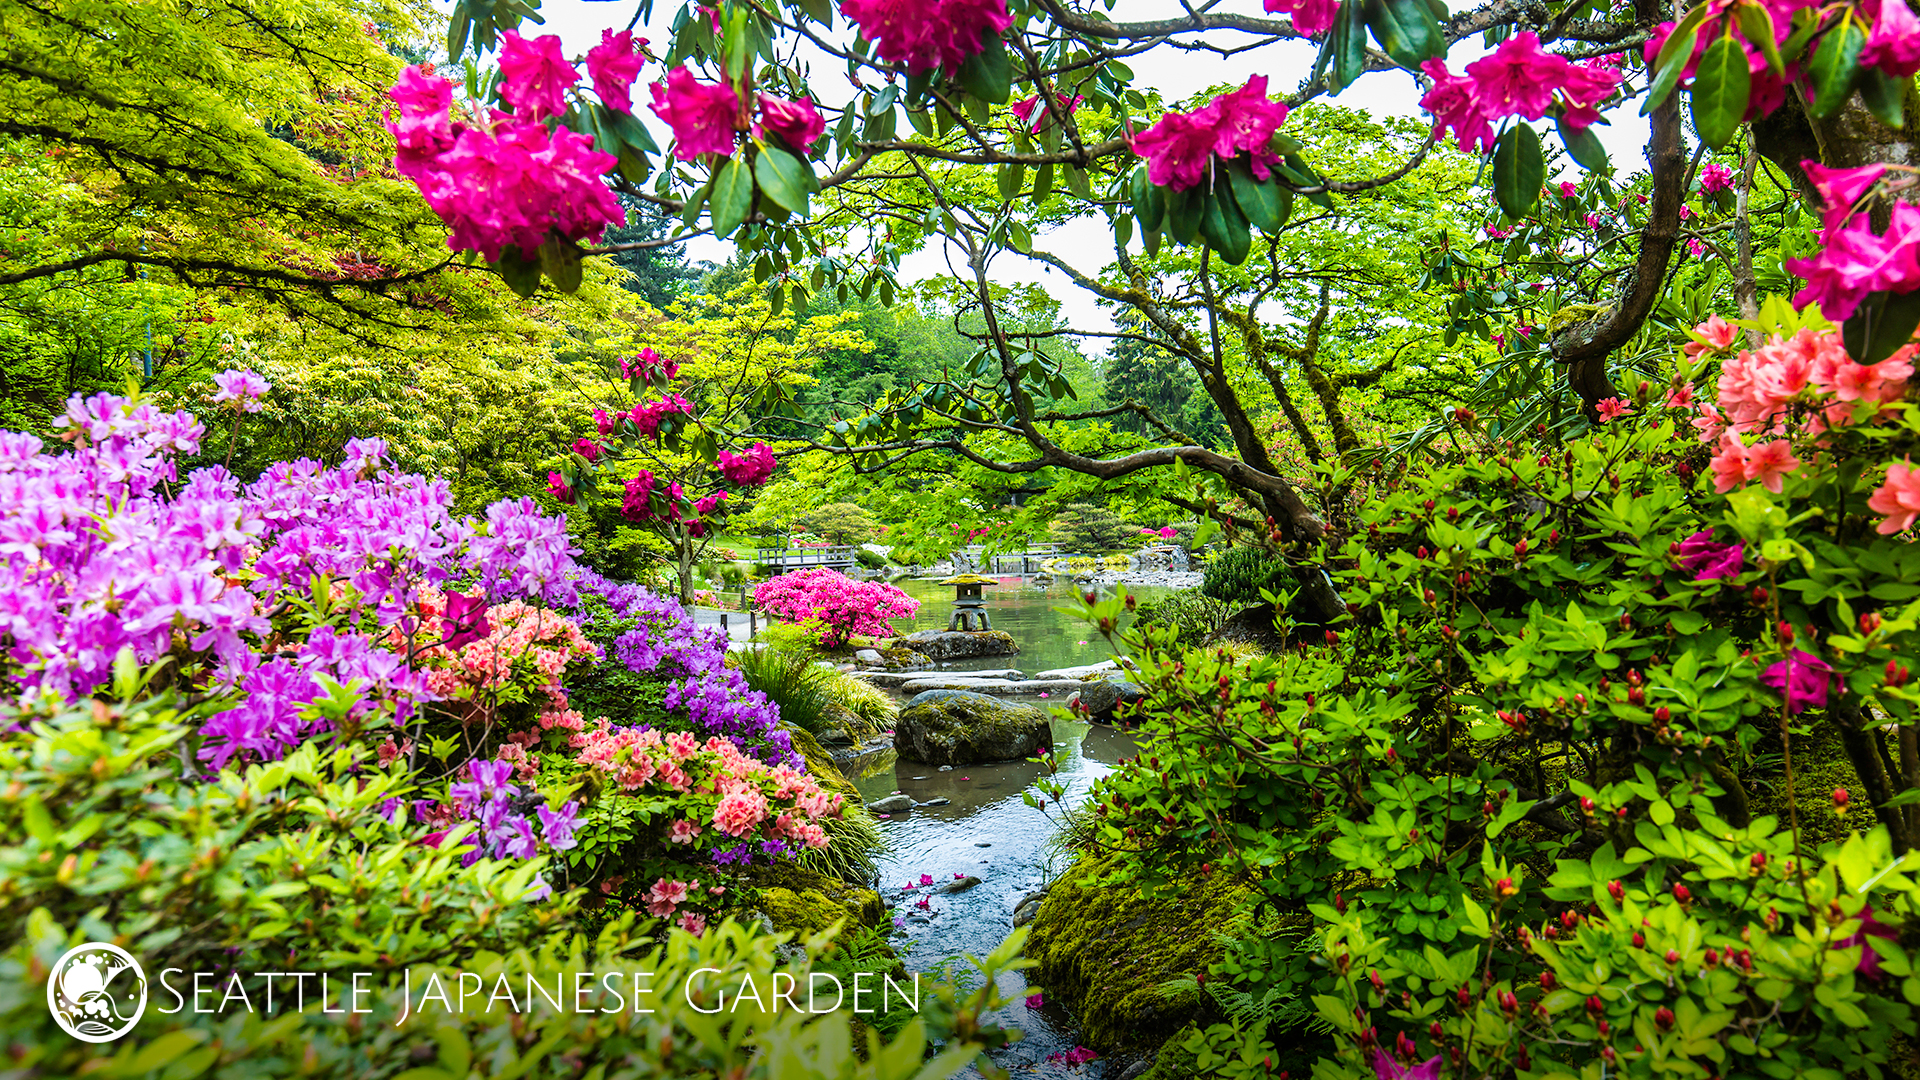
[(1508, 1003), (1897, 675), (1422, 553), (1712, 958), (1333, 638), (1682, 894), (1487, 807), (1617, 891), (1840, 797), (1663, 1018), (1374, 978), (1672, 956), (1520, 547), (1505, 887), (1453, 513), (1465, 997), (1596, 1006), (1636, 696), (1639, 940), (1569, 919), (1436, 1032), (1758, 862), (1786, 632), (1427, 505), (1758, 596), (1586, 805), (1546, 980), (1662, 714), (1339, 903), (1553, 536)]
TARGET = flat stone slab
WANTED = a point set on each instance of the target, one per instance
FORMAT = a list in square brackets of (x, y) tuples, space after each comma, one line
[(1080, 672), (996, 687)]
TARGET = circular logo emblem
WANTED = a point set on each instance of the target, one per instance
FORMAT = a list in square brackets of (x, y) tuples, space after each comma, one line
[(97, 992)]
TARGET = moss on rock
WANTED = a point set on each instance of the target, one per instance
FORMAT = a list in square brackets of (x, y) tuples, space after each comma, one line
[(797, 898), (1104, 950), (960, 727)]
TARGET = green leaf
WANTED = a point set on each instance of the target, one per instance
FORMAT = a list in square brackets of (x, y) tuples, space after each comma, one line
[(1259, 201), (1019, 238), (1883, 324), (1885, 97), (560, 260), (1721, 87), (1149, 201), (39, 823), (521, 275), (1183, 214), (1672, 60), (1349, 43), (1010, 179), (783, 178), (1042, 182), (1406, 29), (988, 75), (1518, 170), (1224, 226), (458, 23), (1835, 64), (732, 197), (1583, 146), (629, 129), (1756, 25)]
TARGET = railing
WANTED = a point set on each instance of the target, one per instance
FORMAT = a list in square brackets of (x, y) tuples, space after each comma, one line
[(799, 558), (1012, 562)]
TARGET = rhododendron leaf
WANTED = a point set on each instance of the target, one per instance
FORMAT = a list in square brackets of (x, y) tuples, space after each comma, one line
[(918, 83), (1259, 200), (1406, 29), (732, 197), (784, 178), (1881, 326), (560, 261), (1043, 182), (690, 213), (627, 128), (1672, 60), (1150, 241), (1348, 44), (1585, 148), (458, 24), (1721, 87), (1756, 25), (820, 11), (1078, 182), (1183, 214), (1149, 202), (1010, 179), (1835, 63), (1224, 226), (1019, 238), (988, 75), (521, 275), (1885, 97), (1518, 170)]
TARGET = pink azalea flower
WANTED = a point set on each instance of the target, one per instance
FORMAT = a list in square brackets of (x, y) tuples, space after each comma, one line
[(693, 923), (1897, 499), (1388, 1067), (1714, 335), (1708, 561), (1680, 397), (1168, 532), (1695, 247), (1770, 461), (1593, 222), (796, 123), (1519, 78), (1715, 177), (536, 75), (1613, 408), (1028, 109), (602, 422), (1803, 678), (1309, 16), (707, 504), (683, 832), (243, 388), (927, 35), (1035, 1000), (665, 896), (701, 115), (613, 65), (465, 620), (1730, 464)]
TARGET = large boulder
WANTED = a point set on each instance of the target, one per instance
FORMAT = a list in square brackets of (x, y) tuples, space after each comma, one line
[(941, 645), (960, 727)]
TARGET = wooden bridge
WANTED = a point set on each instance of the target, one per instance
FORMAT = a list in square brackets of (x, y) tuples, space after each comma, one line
[(799, 558), (1011, 562)]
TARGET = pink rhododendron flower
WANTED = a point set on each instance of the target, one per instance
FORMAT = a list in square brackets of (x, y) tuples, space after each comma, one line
[(1802, 678), (1715, 177), (1388, 1067), (1035, 1000), (683, 832), (649, 365), (739, 812), (1894, 44), (1695, 248), (465, 621), (1729, 464), (1613, 408), (1709, 561), (613, 65), (1897, 499), (1454, 105), (747, 470), (1029, 110), (796, 123), (535, 75), (926, 35), (701, 115), (843, 605), (1180, 147), (1519, 78), (1841, 189), (1680, 397), (1856, 262), (588, 449), (637, 504), (706, 504), (243, 388), (1309, 16), (557, 487), (1568, 191)]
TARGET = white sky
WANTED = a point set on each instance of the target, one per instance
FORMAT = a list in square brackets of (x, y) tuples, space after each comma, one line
[(1175, 74)]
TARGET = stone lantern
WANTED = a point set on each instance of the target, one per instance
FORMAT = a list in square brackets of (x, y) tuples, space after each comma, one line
[(969, 606)]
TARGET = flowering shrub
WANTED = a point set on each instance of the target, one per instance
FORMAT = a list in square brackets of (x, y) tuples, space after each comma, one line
[(842, 605), (1685, 890)]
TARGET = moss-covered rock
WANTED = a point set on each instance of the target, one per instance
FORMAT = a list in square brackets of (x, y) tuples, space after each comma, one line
[(959, 727), (797, 898), (1105, 950), (959, 644), (820, 764)]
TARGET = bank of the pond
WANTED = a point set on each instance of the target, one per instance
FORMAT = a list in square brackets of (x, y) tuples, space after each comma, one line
[(985, 830), (1047, 638)]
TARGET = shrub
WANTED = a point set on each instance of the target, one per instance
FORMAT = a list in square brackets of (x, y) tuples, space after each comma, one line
[(1513, 799), (1085, 529), (872, 560), (1193, 616), (1237, 575), (843, 606), (840, 523)]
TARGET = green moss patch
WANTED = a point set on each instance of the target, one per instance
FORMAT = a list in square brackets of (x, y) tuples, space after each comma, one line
[(1105, 950)]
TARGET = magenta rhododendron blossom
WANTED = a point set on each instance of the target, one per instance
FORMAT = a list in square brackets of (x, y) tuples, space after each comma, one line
[(613, 65), (648, 365), (1180, 147), (842, 605), (1035, 1000), (1454, 106), (243, 388), (1894, 44), (588, 449), (927, 35), (557, 487), (1519, 78), (1309, 16), (1715, 177), (749, 469), (797, 123), (636, 504), (1030, 112), (1862, 938), (1710, 561), (465, 620), (1856, 262), (1802, 678), (1897, 499), (535, 75), (702, 115), (1388, 1067)]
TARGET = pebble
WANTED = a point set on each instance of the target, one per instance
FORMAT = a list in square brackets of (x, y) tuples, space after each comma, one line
[(981, 843), (937, 801), (946, 768)]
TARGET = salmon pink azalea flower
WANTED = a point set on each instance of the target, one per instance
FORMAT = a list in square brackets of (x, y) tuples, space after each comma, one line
[(1897, 499)]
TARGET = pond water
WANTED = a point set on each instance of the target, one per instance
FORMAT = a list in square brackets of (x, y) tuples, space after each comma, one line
[(1047, 638), (987, 830)]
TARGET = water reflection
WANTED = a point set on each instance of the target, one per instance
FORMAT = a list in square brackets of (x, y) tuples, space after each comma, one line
[(1047, 638)]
